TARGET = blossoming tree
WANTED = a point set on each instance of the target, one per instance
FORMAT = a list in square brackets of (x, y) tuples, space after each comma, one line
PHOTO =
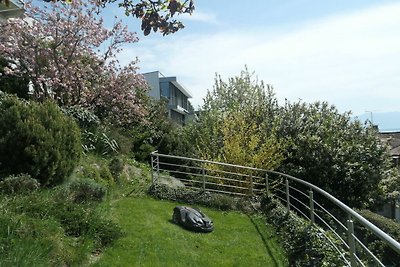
[(69, 55)]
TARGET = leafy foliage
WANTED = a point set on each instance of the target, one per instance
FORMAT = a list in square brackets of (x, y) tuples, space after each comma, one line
[(37, 139), (84, 117), (85, 190), (199, 197), (390, 185), (99, 142), (156, 15), (160, 133), (334, 152), (388, 256), (303, 242), (236, 124), (18, 184), (13, 84)]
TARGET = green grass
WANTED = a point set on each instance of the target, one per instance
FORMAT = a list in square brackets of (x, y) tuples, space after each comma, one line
[(153, 240)]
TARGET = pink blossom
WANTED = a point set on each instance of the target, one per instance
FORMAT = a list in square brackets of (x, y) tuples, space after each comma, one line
[(59, 52)]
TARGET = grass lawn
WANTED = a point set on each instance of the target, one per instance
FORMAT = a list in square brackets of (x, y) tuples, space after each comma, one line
[(153, 240)]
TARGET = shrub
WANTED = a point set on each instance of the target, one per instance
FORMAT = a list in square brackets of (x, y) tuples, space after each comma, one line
[(99, 142), (37, 139), (18, 184), (303, 242), (96, 171), (116, 166), (84, 117), (86, 190), (83, 220), (199, 197), (388, 256)]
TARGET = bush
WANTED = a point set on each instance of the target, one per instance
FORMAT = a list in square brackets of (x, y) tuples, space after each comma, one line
[(116, 166), (85, 118), (37, 139), (303, 242), (388, 256), (99, 142), (199, 197), (85, 190), (18, 184), (83, 220), (78, 220), (332, 151), (99, 173)]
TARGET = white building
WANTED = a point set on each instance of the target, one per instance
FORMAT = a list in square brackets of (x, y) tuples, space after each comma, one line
[(10, 9), (169, 89)]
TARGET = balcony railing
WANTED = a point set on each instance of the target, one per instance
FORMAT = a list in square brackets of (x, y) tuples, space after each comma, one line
[(336, 221)]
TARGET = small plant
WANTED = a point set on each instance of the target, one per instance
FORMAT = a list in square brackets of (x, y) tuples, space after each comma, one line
[(116, 167), (18, 184), (98, 172), (85, 190), (85, 118), (99, 142)]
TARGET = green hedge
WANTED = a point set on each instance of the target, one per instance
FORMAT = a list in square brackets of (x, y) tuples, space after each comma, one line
[(199, 197), (304, 243), (37, 139), (388, 256)]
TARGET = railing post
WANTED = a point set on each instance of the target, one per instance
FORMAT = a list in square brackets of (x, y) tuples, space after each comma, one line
[(251, 184), (351, 242), (287, 195), (158, 166), (312, 216), (203, 174), (266, 182), (152, 168)]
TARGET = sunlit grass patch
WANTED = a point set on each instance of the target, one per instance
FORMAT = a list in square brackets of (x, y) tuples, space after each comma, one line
[(153, 240)]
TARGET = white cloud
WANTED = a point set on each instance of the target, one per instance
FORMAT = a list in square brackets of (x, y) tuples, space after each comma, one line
[(200, 16), (352, 60)]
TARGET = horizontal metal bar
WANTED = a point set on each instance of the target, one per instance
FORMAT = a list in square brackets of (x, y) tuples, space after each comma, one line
[(300, 202), (226, 192), (230, 186), (208, 161), (298, 210), (369, 251), (281, 199), (331, 215), (301, 192), (333, 231), (228, 173), (226, 179), (334, 245), (177, 165)]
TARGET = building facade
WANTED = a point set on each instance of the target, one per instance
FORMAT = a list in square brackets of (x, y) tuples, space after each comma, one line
[(168, 88), (10, 9)]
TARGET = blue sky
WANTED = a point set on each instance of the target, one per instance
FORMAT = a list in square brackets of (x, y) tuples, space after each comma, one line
[(344, 52)]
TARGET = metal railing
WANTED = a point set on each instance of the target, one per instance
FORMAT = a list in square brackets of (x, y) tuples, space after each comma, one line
[(336, 221)]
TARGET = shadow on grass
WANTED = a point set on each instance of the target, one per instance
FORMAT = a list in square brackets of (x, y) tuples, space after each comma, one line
[(264, 239), (187, 229)]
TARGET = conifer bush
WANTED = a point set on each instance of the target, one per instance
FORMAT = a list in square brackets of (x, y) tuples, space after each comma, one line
[(37, 139)]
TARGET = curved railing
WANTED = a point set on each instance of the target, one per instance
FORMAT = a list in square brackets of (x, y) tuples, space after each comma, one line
[(304, 198)]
